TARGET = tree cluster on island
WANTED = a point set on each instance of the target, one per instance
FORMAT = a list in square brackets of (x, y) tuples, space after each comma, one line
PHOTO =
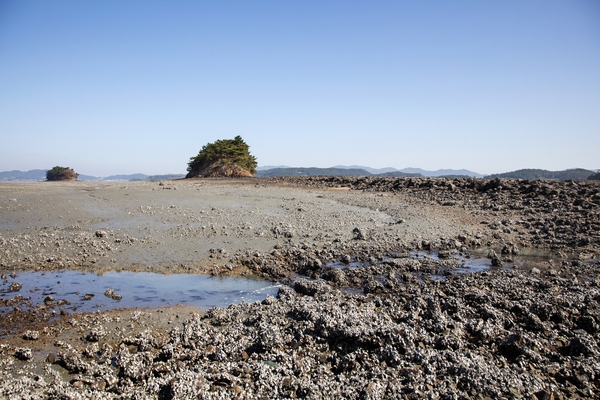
[(223, 158), (61, 174)]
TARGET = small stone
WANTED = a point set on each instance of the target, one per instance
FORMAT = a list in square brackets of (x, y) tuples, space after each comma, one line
[(544, 395), (99, 385), (512, 345), (31, 335), (492, 254), (24, 353), (583, 344), (358, 234), (77, 384), (238, 389), (95, 334), (496, 262), (15, 287), (110, 293)]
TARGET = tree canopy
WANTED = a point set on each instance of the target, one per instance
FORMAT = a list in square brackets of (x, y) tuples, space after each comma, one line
[(61, 174), (224, 151)]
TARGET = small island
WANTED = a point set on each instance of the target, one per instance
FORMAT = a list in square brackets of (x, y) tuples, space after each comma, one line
[(61, 174), (223, 158)]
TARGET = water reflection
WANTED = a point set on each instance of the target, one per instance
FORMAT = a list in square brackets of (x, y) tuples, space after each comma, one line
[(85, 291)]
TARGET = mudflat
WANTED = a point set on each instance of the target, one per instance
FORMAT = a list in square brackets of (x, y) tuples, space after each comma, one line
[(358, 314), (197, 225)]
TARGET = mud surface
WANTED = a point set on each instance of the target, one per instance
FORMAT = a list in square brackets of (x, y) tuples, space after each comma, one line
[(194, 226), (358, 317)]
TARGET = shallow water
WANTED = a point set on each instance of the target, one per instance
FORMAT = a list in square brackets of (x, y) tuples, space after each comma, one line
[(476, 262), (479, 264), (138, 289)]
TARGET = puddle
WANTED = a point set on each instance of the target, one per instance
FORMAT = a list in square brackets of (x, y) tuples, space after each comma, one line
[(423, 254), (476, 262), (468, 264), (138, 289), (476, 265), (353, 291)]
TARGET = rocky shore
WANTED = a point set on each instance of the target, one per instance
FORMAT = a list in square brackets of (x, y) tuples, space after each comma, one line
[(558, 215), (359, 317), (504, 334)]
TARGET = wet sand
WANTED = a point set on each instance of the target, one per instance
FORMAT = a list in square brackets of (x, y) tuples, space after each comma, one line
[(195, 226)]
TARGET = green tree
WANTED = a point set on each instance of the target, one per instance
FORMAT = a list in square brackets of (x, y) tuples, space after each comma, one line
[(61, 174), (224, 151)]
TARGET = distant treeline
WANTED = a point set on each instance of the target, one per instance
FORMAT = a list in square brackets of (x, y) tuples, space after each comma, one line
[(576, 174)]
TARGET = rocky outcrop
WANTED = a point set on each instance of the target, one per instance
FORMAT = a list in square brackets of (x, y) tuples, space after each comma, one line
[(219, 169), (223, 158)]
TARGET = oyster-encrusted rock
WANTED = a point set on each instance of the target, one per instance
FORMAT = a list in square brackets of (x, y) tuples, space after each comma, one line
[(110, 293)]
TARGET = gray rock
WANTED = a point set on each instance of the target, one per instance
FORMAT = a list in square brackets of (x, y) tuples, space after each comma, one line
[(583, 344), (311, 288), (95, 334), (513, 345), (15, 287), (31, 335), (24, 353), (110, 293)]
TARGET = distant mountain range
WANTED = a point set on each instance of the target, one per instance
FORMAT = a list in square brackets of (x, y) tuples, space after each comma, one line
[(338, 170), (374, 171), (575, 174), (357, 170), (33, 175), (389, 171), (289, 171), (348, 171), (40, 175)]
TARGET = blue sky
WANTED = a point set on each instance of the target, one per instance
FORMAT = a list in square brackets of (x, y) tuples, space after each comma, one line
[(111, 87)]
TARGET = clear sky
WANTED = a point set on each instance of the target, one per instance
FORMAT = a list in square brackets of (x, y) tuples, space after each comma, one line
[(108, 87)]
